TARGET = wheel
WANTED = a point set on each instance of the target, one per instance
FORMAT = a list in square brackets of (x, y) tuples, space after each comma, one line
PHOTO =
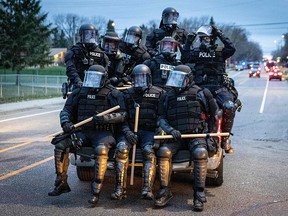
[(218, 181), (85, 173), (280, 79)]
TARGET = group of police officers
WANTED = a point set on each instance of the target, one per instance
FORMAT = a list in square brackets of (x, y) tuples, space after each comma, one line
[(178, 83)]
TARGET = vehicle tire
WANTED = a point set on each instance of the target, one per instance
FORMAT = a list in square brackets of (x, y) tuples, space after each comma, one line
[(85, 173), (280, 79), (219, 180)]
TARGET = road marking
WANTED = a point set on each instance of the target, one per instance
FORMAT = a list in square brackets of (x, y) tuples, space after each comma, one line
[(16, 146), (264, 97), (25, 168), (27, 116)]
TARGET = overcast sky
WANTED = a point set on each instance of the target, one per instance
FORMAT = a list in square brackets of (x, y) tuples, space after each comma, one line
[(270, 15)]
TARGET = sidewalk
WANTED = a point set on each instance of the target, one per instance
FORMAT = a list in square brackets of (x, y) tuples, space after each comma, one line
[(24, 105)]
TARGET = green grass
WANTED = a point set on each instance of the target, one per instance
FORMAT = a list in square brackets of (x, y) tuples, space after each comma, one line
[(38, 71)]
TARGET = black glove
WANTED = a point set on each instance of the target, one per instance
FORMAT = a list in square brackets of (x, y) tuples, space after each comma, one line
[(98, 119), (216, 31), (131, 137), (76, 142), (190, 38), (68, 127), (79, 84), (176, 134)]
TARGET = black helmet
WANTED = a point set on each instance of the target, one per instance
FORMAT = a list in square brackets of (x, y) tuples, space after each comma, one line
[(180, 77), (110, 42), (95, 77), (169, 16), (133, 36), (141, 77), (88, 35), (168, 47)]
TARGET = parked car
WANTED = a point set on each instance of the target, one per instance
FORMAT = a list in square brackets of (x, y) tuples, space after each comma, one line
[(275, 73), (239, 67), (255, 71)]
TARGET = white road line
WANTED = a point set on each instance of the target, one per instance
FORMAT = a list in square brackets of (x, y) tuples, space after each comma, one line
[(27, 116), (264, 97)]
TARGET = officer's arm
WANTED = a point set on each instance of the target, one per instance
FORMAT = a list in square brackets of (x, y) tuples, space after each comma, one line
[(229, 48), (69, 112), (162, 120), (151, 43), (208, 102), (71, 70)]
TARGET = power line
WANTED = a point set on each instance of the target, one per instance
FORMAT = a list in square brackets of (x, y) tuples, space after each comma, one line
[(264, 24)]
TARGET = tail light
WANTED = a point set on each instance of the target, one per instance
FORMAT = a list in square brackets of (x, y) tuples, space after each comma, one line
[(271, 73), (280, 73)]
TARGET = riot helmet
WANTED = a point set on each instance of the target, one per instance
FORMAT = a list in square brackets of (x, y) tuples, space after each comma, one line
[(110, 42), (169, 17), (133, 36), (141, 78), (88, 35), (180, 78), (206, 37), (95, 77), (168, 47)]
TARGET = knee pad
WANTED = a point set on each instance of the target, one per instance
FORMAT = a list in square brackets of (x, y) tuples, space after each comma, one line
[(200, 154), (101, 150), (164, 152), (122, 150), (148, 153), (229, 109)]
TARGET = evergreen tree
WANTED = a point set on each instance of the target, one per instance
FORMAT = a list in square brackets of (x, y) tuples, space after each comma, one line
[(24, 36), (111, 26)]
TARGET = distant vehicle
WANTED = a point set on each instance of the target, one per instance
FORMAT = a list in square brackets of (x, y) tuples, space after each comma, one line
[(275, 73), (255, 71), (269, 65), (239, 67)]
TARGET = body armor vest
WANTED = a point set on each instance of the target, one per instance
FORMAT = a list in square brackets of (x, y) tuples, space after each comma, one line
[(91, 102), (148, 108), (209, 67), (185, 112), (177, 34)]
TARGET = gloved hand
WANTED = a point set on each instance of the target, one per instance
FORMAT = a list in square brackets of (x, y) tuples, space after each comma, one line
[(76, 142), (79, 84), (131, 137), (68, 127), (190, 38), (176, 134), (216, 31), (98, 119)]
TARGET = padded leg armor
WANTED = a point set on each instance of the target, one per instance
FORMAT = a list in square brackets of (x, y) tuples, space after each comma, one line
[(120, 166), (149, 172), (228, 119), (101, 157), (200, 159), (165, 170), (61, 166)]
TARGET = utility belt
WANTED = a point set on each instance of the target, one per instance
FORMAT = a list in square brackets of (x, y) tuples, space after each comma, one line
[(98, 128), (207, 79)]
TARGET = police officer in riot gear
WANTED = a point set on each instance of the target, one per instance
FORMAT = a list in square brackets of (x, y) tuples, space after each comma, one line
[(168, 27), (209, 71), (93, 97), (133, 52), (110, 45), (161, 64), (84, 54), (184, 112), (149, 98)]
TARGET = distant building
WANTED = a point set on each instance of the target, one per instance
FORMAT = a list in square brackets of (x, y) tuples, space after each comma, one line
[(57, 56)]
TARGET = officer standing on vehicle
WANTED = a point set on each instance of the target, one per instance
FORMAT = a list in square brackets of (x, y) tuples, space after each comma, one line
[(168, 27), (93, 97), (133, 51), (209, 71), (185, 110), (84, 54), (162, 63), (148, 98), (110, 45)]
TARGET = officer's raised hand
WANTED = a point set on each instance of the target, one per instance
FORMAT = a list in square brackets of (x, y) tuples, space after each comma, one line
[(216, 31), (131, 137), (68, 127), (176, 134)]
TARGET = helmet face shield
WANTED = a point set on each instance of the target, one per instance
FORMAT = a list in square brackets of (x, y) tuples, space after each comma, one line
[(168, 47), (110, 46), (140, 80), (89, 37), (131, 38), (177, 79), (170, 18), (93, 79), (204, 31)]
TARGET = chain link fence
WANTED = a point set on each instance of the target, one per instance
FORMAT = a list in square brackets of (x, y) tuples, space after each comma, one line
[(25, 86)]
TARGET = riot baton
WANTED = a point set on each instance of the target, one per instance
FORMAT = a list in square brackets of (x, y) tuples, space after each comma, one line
[(183, 136), (89, 119), (137, 107)]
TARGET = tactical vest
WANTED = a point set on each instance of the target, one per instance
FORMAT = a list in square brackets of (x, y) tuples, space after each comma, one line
[(91, 102), (83, 59), (148, 108), (184, 111), (209, 66), (177, 34)]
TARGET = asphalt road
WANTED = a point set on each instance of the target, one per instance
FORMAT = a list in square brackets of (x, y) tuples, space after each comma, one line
[(255, 177)]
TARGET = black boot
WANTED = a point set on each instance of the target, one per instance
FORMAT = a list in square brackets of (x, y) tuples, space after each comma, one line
[(96, 188), (149, 173), (228, 120), (61, 166), (121, 178), (226, 145), (164, 194)]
